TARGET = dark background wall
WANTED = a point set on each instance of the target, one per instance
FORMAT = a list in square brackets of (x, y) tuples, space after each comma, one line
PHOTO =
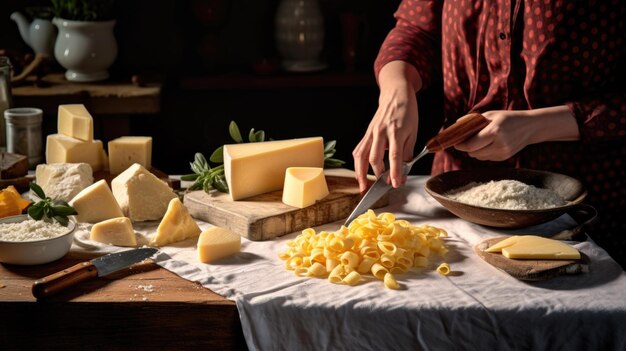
[(207, 52)]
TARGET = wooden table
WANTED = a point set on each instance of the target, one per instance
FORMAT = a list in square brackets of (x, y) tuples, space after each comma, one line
[(142, 308)]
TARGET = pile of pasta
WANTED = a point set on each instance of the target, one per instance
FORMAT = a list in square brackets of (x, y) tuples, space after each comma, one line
[(376, 244)]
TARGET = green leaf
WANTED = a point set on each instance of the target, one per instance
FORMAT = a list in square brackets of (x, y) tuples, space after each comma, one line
[(259, 136), (330, 146), (233, 129), (218, 155), (199, 159), (36, 211), (62, 220), (64, 211), (37, 190), (220, 183), (189, 177), (252, 136)]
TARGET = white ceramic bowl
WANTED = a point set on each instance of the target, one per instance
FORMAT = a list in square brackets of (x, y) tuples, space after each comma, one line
[(36, 251)]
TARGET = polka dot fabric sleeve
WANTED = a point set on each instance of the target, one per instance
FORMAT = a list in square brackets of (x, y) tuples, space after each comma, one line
[(416, 38), (601, 118)]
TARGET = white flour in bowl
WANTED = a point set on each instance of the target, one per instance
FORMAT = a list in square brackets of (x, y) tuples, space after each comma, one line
[(30, 230), (506, 194)]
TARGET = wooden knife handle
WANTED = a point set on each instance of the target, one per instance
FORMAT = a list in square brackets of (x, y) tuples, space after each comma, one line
[(464, 128), (58, 281)]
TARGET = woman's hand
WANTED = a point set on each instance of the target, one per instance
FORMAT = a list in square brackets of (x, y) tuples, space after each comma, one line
[(393, 127), (511, 131)]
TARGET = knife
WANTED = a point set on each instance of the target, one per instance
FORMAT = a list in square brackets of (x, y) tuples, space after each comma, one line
[(462, 129), (98, 267)]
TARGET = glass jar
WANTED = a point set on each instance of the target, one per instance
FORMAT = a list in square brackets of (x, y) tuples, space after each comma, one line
[(23, 128)]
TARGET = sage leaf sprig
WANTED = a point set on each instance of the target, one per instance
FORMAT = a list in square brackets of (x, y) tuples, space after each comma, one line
[(46, 207), (207, 178)]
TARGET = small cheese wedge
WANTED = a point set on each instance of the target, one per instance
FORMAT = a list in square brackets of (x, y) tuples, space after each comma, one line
[(534, 247), (216, 243), (125, 151), (63, 180), (176, 225), (256, 168), (75, 121), (304, 186), (115, 231), (141, 195), (96, 203), (63, 149)]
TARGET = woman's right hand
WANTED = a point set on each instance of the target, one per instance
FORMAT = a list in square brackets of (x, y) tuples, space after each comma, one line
[(393, 127)]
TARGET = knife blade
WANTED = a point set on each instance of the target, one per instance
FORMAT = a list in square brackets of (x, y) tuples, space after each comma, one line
[(98, 267), (464, 128)]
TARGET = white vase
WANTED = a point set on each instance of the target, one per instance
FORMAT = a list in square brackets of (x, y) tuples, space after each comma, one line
[(86, 49), (299, 34)]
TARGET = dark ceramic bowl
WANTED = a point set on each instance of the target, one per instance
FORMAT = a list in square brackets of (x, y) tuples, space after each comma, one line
[(567, 187)]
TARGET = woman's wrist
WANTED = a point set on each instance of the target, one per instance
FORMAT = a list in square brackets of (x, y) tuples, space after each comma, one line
[(555, 123), (399, 75)]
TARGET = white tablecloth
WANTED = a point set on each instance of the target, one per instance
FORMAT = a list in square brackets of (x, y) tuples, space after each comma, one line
[(478, 307)]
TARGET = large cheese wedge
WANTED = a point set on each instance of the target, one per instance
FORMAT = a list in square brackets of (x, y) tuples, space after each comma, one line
[(141, 195), (216, 243), (125, 151), (304, 186), (63, 180), (75, 121), (257, 168), (534, 247), (96, 203), (115, 231), (176, 225), (63, 149)]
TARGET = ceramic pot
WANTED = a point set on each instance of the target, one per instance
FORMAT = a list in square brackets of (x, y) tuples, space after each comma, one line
[(299, 34), (86, 49)]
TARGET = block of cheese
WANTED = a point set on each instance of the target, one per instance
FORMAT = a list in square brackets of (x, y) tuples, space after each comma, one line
[(63, 149), (534, 247), (125, 151), (96, 203), (304, 186), (75, 121), (176, 225), (215, 243), (12, 165), (63, 180), (115, 231), (141, 195), (257, 168)]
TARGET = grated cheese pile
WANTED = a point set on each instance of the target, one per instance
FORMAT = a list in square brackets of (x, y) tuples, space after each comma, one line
[(30, 230), (507, 194)]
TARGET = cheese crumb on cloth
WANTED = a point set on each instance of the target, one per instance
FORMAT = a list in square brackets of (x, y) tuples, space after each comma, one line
[(477, 308)]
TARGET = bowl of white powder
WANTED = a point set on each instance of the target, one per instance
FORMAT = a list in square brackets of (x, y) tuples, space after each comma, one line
[(506, 197), (26, 241)]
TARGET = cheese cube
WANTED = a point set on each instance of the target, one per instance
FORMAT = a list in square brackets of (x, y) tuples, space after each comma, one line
[(64, 149), (76, 122), (176, 225), (96, 203), (256, 168), (63, 180), (125, 151), (534, 247), (215, 243), (115, 231), (141, 195), (304, 186)]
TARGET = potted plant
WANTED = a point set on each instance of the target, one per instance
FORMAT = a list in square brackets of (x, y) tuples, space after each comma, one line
[(85, 45)]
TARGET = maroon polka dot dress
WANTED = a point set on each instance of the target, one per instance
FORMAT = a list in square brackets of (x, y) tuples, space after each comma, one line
[(518, 55)]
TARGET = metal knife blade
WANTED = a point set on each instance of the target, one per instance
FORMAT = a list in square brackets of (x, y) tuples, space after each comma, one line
[(98, 267)]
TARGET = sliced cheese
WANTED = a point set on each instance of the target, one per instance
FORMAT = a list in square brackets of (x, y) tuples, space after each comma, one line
[(63, 149), (75, 121), (534, 247), (257, 168), (176, 225), (63, 180), (125, 151), (304, 186), (96, 203), (115, 231), (141, 195), (216, 243)]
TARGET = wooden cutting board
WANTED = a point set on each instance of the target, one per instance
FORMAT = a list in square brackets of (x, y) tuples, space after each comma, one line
[(265, 216), (532, 270)]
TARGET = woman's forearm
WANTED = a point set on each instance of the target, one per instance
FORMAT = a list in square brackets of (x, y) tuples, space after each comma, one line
[(556, 123), (397, 73)]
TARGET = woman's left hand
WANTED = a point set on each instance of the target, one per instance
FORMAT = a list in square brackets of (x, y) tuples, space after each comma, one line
[(511, 131)]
